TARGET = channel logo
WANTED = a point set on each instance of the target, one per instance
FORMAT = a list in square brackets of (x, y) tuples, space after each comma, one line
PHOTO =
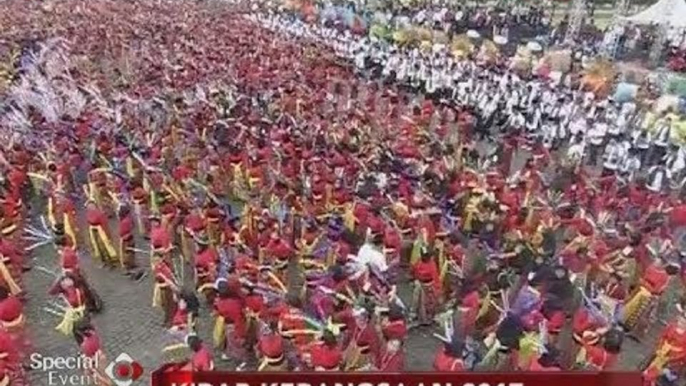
[(124, 370)]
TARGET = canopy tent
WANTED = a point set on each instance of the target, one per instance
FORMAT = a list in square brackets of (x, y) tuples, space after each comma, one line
[(665, 12)]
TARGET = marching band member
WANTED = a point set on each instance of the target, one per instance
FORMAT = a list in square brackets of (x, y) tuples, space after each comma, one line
[(271, 350), (164, 287), (99, 236), (427, 288), (230, 326), (206, 261), (201, 359), (670, 352), (127, 244), (364, 345), (326, 355), (89, 343), (75, 297), (13, 322), (639, 307)]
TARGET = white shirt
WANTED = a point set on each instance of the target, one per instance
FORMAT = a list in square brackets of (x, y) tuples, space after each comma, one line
[(597, 133), (641, 139), (630, 166), (614, 155), (576, 151), (578, 126), (676, 161), (662, 134), (369, 255)]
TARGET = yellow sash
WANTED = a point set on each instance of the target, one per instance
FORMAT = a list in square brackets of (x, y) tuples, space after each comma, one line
[(129, 167), (157, 294), (485, 306), (51, 212), (99, 232), (71, 315), (219, 331), (267, 364), (70, 230), (5, 273), (349, 217), (353, 357), (9, 229)]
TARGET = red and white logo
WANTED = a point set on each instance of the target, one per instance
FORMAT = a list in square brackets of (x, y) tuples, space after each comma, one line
[(124, 370)]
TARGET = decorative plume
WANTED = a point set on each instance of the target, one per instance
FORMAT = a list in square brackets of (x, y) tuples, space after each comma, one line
[(39, 236), (448, 327), (46, 87)]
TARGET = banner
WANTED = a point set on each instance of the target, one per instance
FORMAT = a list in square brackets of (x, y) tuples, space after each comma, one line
[(170, 376)]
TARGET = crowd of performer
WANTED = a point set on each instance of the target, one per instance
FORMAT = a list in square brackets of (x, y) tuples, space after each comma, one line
[(295, 204), (556, 114)]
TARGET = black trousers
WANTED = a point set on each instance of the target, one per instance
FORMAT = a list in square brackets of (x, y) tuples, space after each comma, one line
[(655, 154), (593, 153)]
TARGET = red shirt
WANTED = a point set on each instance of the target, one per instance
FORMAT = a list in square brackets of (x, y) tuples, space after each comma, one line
[(366, 339), (10, 309), (96, 217), (391, 362), (326, 357), (126, 227), (72, 295), (195, 222), (675, 337), (271, 346), (9, 250), (206, 260), (599, 358), (181, 173), (159, 238), (254, 303), (163, 272), (7, 345), (180, 318), (444, 362), (278, 249), (427, 272), (232, 311), (202, 360), (583, 321), (90, 345), (470, 305), (655, 279), (556, 321), (17, 177), (572, 261), (70, 259)]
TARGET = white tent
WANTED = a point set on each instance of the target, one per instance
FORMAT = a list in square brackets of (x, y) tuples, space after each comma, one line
[(671, 13)]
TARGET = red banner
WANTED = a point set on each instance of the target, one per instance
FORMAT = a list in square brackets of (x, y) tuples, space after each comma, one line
[(169, 376)]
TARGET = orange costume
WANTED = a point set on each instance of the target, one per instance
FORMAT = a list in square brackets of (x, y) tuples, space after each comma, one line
[(671, 351)]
